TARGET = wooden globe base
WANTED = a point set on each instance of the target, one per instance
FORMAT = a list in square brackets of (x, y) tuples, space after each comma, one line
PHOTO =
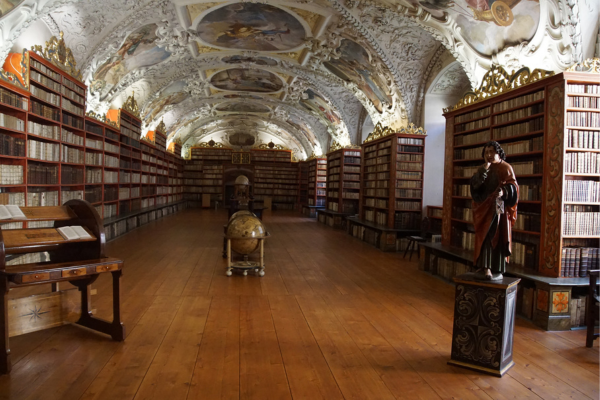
[(245, 265)]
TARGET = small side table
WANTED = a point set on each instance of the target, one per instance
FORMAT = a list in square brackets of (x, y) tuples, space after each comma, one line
[(484, 322)]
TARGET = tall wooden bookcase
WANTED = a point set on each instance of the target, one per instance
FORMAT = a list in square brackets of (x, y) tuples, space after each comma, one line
[(203, 175), (52, 152), (317, 186), (549, 130), (392, 180), (303, 183), (343, 181)]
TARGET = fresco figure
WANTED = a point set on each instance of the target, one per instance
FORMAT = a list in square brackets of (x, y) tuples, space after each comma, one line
[(7, 6), (495, 194)]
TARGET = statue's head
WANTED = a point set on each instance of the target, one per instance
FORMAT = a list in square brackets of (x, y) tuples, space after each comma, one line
[(490, 150)]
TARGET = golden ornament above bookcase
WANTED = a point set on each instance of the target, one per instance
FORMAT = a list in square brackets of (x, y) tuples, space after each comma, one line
[(131, 105), (271, 146), (412, 129), (101, 118), (161, 127), (336, 146), (210, 144), (313, 156), (378, 132), (497, 81), (56, 52), (591, 65), (16, 70)]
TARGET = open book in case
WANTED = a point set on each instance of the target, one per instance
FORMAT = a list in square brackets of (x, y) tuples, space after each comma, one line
[(549, 130)]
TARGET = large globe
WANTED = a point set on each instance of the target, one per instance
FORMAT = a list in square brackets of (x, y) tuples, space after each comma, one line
[(239, 213), (244, 233)]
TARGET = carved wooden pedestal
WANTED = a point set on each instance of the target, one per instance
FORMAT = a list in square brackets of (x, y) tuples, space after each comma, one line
[(484, 320)]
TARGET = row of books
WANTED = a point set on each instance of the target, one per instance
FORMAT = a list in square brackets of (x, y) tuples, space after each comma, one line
[(377, 217), (582, 191), (13, 198), (409, 175), (462, 239), (12, 146), (36, 77), (13, 99), (410, 220), (41, 67), (534, 125), (413, 141), (71, 155), (576, 262), (352, 160), (408, 184), (483, 112), (350, 195), (408, 205), (45, 95), (72, 95), (579, 139), (47, 131), (518, 101), (43, 150), (582, 163), (350, 185), (469, 126), (70, 175), (581, 223), (449, 269), (472, 138), (11, 174), (581, 88), (524, 254), (94, 144), (409, 149), (530, 192), (45, 111), (10, 122), (528, 221), (41, 174), (519, 113), (583, 118), (70, 137), (410, 157), (381, 203), (275, 191), (72, 121), (583, 102), (462, 213), (42, 198)]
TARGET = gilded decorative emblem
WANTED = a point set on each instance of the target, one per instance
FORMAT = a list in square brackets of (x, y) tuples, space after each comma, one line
[(101, 118), (17, 65), (590, 65), (131, 106), (412, 129), (210, 144), (162, 128), (313, 156), (335, 146), (60, 55), (379, 132), (497, 81), (271, 146)]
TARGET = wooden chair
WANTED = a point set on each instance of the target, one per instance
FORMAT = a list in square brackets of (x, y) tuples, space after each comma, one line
[(413, 240), (592, 308), (78, 261)]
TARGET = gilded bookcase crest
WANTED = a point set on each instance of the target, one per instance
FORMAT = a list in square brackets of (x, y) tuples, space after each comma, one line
[(497, 81), (336, 146), (412, 129), (313, 156), (162, 128), (211, 144), (131, 106), (20, 66), (378, 133), (271, 146), (101, 118), (60, 55), (590, 65)]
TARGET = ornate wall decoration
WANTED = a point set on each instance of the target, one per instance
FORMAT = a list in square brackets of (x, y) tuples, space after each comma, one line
[(591, 65), (553, 164), (497, 81), (16, 70), (412, 129), (131, 106), (60, 55), (378, 133)]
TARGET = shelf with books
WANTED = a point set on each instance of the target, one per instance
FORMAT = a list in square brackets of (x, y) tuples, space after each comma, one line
[(277, 182), (548, 196), (392, 185), (343, 181), (303, 183), (270, 156)]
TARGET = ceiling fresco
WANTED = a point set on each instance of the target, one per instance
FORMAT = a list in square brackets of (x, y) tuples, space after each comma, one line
[(299, 72), (251, 26)]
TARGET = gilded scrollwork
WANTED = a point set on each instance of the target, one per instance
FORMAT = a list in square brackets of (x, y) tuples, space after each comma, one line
[(591, 65), (131, 105), (497, 81), (60, 55)]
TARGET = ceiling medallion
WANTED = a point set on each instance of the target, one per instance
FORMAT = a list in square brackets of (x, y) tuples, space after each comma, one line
[(131, 105), (590, 65), (60, 55), (497, 81)]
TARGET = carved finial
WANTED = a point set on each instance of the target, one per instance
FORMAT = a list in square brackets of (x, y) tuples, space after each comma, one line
[(378, 132), (131, 105), (335, 146), (412, 129), (161, 127), (60, 55)]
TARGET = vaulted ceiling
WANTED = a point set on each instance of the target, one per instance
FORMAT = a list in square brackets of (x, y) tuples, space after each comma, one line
[(298, 73)]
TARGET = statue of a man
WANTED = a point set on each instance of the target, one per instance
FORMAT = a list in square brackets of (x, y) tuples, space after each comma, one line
[(495, 195)]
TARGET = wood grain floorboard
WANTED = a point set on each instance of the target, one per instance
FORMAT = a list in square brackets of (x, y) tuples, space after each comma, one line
[(333, 318)]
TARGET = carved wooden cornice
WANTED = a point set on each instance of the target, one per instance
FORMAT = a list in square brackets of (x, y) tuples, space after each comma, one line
[(131, 106), (56, 52), (497, 81), (590, 65)]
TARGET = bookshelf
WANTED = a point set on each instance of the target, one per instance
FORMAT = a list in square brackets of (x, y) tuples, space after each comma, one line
[(303, 183), (392, 181), (435, 214), (51, 152), (203, 174), (317, 186), (280, 183), (343, 181), (556, 167)]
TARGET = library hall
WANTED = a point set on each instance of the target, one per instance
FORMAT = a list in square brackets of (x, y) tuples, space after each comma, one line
[(299, 199)]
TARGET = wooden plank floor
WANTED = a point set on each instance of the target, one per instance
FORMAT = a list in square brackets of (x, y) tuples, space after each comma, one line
[(333, 318)]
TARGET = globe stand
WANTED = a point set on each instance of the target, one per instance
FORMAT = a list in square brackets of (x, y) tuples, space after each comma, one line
[(245, 264)]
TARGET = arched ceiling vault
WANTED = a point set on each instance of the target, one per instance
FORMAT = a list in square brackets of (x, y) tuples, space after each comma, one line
[(296, 72)]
